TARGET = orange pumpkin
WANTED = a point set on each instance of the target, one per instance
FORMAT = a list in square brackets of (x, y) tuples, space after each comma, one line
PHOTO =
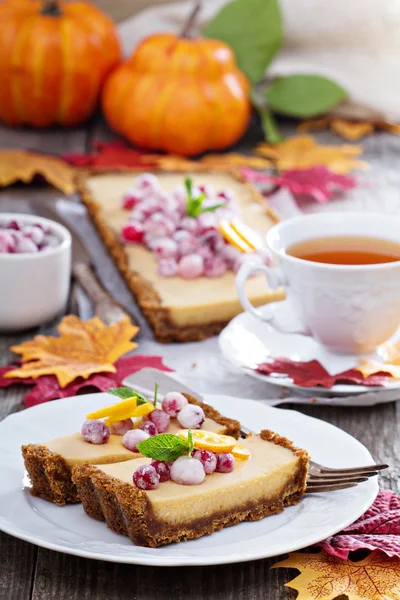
[(180, 95), (54, 58)]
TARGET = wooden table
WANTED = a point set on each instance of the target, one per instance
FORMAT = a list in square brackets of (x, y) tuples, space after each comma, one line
[(27, 571)]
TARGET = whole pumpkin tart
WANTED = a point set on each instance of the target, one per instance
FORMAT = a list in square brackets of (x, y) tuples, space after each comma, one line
[(54, 58), (180, 95)]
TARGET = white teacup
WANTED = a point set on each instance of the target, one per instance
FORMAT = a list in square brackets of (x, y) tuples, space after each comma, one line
[(349, 308)]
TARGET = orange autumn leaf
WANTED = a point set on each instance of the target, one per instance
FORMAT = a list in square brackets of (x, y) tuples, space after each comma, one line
[(227, 161), (83, 348), (352, 130), (324, 577), (313, 125), (234, 159), (303, 152), (18, 165)]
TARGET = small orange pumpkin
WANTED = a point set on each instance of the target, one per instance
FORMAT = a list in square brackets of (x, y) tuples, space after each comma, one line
[(54, 58), (180, 95)]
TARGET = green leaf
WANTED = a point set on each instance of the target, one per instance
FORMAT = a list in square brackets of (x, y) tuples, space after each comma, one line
[(190, 442), (124, 393), (164, 446), (213, 207), (253, 29), (304, 95), (270, 127), (155, 394)]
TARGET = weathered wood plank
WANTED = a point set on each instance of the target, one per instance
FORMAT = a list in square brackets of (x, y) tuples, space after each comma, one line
[(53, 141)]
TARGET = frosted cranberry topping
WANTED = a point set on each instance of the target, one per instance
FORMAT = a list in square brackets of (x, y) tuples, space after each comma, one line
[(180, 227), (19, 238)]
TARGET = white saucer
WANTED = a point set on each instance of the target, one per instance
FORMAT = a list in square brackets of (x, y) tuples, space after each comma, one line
[(68, 529), (246, 342)]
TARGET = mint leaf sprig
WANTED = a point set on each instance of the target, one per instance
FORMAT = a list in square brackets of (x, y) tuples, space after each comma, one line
[(163, 447), (124, 393), (155, 394), (194, 204)]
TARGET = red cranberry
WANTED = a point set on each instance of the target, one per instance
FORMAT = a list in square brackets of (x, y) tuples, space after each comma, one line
[(207, 459), (146, 477), (225, 463), (132, 232), (149, 428), (162, 468)]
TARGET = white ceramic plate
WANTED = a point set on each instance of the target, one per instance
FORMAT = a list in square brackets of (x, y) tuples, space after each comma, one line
[(245, 343), (68, 529)]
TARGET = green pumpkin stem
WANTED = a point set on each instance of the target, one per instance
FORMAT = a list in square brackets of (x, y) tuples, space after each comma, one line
[(51, 8), (191, 20)]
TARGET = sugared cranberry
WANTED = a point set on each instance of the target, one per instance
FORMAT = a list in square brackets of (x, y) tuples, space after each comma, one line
[(149, 427), (131, 198), (159, 225), (207, 221), (214, 267), (191, 417), (206, 252), (132, 438), (50, 241), (95, 432), (225, 463), (191, 266), (132, 232), (121, 427), (163, 469), (187, 246), (146, 478), (148, 181), (25, 245), (14, 224), (187, 471), (165, 248), (7, 242), (189, 224), (173, 403), (167, 267), (34, 233), (160, 419), (207, 459)]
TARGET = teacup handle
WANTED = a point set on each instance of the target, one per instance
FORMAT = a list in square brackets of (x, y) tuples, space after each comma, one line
[(275, 279)]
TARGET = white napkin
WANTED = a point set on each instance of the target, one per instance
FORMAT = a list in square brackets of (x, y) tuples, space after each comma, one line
[(354, 42)]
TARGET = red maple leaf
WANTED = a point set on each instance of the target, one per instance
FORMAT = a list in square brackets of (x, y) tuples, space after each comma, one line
[(319, 182), (112, 154), (376, 529), (312, 373), (47, 388)]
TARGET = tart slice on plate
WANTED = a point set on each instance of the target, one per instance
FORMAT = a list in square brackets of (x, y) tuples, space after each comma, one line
[(111, 436), (200, 492), (163, 232)]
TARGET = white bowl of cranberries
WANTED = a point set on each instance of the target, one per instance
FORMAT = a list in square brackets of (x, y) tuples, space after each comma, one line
[(35, 270)]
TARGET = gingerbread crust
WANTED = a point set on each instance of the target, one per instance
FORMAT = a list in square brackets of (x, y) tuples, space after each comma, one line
[(127, 510), (143, 291), (51, 476)]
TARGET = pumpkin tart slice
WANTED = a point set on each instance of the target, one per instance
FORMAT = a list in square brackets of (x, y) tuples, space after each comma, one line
[(50, 465), (271, 479), (177, 309)]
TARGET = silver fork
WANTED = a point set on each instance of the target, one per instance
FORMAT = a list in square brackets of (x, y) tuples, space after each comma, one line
[(319, 479)]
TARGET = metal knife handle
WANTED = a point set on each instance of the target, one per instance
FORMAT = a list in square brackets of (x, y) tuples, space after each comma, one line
[(104, 306)]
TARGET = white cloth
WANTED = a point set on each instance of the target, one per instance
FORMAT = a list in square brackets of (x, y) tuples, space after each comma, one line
[(354, 42)]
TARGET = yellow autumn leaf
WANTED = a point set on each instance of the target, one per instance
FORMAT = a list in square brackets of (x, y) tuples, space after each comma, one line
[(83, 348), (325, 577), (313, 125), (391, 352), (19, 165), (303, 152)]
